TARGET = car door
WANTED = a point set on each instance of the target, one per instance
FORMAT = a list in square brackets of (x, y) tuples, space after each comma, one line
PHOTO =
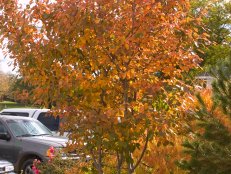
[(8, 148)]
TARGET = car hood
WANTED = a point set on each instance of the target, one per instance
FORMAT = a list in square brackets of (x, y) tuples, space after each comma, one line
[(55, 141)]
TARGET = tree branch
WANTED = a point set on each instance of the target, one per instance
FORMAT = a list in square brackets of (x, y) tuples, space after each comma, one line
[(120, 161), (143, 152)]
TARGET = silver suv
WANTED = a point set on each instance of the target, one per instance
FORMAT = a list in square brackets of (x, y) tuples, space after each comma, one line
[(41, 115), (23, 139)]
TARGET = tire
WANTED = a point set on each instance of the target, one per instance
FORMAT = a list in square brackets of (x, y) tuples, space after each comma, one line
[(27, 167)]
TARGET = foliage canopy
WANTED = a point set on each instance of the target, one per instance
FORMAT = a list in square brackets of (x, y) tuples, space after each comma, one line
[(107, 67)]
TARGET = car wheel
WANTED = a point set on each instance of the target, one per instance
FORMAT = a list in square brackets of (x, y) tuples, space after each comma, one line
[(27, 167)]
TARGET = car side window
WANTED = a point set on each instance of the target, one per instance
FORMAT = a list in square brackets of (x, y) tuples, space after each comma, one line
[(49, 121), (2, 128)]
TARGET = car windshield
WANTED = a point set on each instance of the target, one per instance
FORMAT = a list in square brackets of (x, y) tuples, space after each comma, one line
[(27, 128)]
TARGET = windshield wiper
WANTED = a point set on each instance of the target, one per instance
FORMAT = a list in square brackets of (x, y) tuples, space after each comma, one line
[(26, 135), (42, 134)]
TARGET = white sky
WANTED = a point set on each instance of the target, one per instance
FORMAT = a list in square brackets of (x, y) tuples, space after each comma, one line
[(5, 64)]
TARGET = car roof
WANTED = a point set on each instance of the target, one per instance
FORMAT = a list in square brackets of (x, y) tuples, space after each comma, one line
[(24, 110), (9, 117)]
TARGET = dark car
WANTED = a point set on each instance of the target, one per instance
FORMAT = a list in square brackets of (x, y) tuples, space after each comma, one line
[(6, 167), (24, 139)]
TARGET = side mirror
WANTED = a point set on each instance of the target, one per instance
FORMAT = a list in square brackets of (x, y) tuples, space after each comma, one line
[(5, 136)]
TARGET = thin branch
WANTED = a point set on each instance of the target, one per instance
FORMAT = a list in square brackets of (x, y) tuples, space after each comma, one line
[(120, 161), (100, 159), (143, 152), (98, 165), (146, 165), (102, 95), (94, 159)]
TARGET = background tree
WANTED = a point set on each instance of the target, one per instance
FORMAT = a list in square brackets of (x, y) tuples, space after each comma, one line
[(21, 91), (216, 22), (103, 65), (6, 81), (210, 149)]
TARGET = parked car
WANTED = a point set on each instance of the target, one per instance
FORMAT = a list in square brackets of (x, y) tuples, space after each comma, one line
[(23, 139), (43, 115), (6, 167)]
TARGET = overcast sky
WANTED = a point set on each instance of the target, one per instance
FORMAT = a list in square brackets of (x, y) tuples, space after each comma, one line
[(5, 64)]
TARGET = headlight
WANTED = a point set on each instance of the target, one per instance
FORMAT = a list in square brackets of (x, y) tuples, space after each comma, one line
[(58, 151), (9, 168), (6, 169)]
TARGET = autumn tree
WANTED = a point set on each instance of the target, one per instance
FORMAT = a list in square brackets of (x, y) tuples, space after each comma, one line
[(216, 22), (110, 68), (20, 91), (13, 88), (6, 81)]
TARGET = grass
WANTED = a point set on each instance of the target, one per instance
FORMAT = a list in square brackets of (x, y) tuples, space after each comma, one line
[(10, 104)]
